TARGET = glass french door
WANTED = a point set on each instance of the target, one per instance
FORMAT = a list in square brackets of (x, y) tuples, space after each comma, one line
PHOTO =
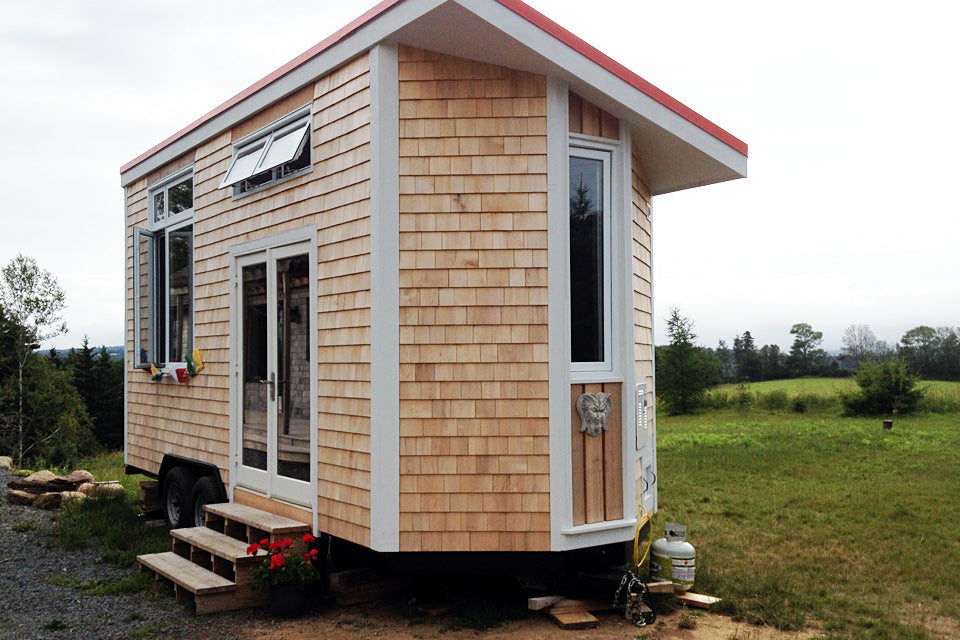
[(272, 354)]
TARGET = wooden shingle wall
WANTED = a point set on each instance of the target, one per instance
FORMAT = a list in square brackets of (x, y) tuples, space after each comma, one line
[(589, 119), (192, 420), (642, 290), (474, 468)]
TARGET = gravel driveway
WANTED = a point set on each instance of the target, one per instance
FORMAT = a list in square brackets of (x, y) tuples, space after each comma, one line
[(33, 607)]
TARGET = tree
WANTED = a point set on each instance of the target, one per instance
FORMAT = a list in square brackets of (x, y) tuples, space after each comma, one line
[(684, 370), (859, 343), (918, 348), (746, 358), (885, 387), (728, 371), (771, 362), (806, 354), (949, 357), (33, 301)]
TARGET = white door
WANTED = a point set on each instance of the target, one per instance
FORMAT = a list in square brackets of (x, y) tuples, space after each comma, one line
[(274, 454)]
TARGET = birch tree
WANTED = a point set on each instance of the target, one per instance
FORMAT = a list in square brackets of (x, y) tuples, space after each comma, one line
[(32, 301)]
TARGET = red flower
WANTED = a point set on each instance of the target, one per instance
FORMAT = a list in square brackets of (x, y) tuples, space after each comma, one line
[(264, 542), (312, 552), (275, 545), (309, 539), (252, 549), (277, 561)]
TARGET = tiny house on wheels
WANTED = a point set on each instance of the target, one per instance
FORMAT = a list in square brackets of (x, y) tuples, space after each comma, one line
[(399, 290)]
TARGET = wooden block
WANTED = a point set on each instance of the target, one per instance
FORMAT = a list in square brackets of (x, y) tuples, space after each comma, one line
[(572, 621), (697, 600), (575, 606), (660, 587), (542, 602)]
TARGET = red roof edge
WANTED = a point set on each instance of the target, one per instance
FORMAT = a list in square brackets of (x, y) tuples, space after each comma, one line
[(263, 82), (576, 43), (523, 10)]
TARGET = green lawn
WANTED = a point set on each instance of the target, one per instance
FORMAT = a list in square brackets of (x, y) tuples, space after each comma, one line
[(803, 519), (822, 393), (798, 386)]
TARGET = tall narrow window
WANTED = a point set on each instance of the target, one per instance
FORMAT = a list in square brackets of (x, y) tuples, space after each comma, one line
[(589, 258), (163, 274)]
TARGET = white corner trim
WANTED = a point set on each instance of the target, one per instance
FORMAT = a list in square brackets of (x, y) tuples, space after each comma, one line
[(384, 299), (558, 314), (627, 341), (132, 340)]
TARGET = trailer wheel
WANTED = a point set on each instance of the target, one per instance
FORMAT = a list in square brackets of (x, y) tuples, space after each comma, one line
[(204, 492), (176, 498)]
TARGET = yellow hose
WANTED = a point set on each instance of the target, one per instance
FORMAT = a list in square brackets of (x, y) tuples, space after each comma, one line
[(644, 519)]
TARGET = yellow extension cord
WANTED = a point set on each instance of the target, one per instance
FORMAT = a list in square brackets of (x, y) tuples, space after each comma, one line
[(637, 560)]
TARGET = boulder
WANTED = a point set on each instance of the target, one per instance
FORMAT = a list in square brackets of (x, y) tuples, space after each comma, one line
[(70, 498), (74, 479), (40, 477), (6, 462), (48, 501), (46, 482), (20, 497), (97, 489)]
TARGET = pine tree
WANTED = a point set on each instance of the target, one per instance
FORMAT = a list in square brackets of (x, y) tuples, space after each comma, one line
[(684, 370)]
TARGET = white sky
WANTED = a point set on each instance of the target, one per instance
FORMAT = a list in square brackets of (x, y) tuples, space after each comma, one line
[(851, 111)]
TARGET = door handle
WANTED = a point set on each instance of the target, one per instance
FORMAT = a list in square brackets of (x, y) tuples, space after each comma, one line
[(272, 382)]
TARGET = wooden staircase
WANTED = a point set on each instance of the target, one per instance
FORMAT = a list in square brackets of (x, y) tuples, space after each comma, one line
[(210, 564)]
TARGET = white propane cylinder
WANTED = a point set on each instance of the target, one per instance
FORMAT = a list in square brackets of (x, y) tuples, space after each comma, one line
[(673, 559)]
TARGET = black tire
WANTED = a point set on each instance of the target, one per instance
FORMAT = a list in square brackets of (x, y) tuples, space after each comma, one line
[(205, 491), (176, 498)]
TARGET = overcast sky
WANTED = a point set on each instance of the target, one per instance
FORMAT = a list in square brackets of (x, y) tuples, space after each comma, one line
[(850, 109)]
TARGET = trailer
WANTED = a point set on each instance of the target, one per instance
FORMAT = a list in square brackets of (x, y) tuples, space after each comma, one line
[(399, 291)]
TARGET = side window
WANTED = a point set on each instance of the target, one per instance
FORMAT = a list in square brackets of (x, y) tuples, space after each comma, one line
[(590, 259), (276, 152), (163, 274)]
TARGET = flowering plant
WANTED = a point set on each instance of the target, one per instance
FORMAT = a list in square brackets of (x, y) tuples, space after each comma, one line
[(284, 565)]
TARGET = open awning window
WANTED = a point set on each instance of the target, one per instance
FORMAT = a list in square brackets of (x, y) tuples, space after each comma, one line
[(267, 150)]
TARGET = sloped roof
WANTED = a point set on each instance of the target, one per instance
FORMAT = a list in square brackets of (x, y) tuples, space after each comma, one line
[(681, 148)]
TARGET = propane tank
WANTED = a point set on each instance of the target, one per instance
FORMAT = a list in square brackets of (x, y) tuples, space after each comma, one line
[(672, 558)]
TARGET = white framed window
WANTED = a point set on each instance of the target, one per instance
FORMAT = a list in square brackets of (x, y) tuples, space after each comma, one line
[(163, 274), (274, 153), (591, 248), (171, 201)]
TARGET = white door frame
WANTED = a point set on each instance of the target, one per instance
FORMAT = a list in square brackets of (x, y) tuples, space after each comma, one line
[(268, 483)]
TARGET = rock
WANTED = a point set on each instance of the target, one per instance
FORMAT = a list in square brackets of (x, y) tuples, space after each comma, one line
[(20, 497), (70, 498), (40, 477), (74, 479), (6, 462), (48, 501), (97, 489), (46, 482)]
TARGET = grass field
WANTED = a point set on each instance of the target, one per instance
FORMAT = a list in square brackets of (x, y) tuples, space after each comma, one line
[(815, 519), (822, 394)]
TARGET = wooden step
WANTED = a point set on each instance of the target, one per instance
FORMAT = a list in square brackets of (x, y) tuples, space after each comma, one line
[(211, 593), (217, 544), (252, 525), (188, 575)]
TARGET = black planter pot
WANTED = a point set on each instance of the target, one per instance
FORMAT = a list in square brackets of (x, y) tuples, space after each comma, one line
[(287, 600)]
